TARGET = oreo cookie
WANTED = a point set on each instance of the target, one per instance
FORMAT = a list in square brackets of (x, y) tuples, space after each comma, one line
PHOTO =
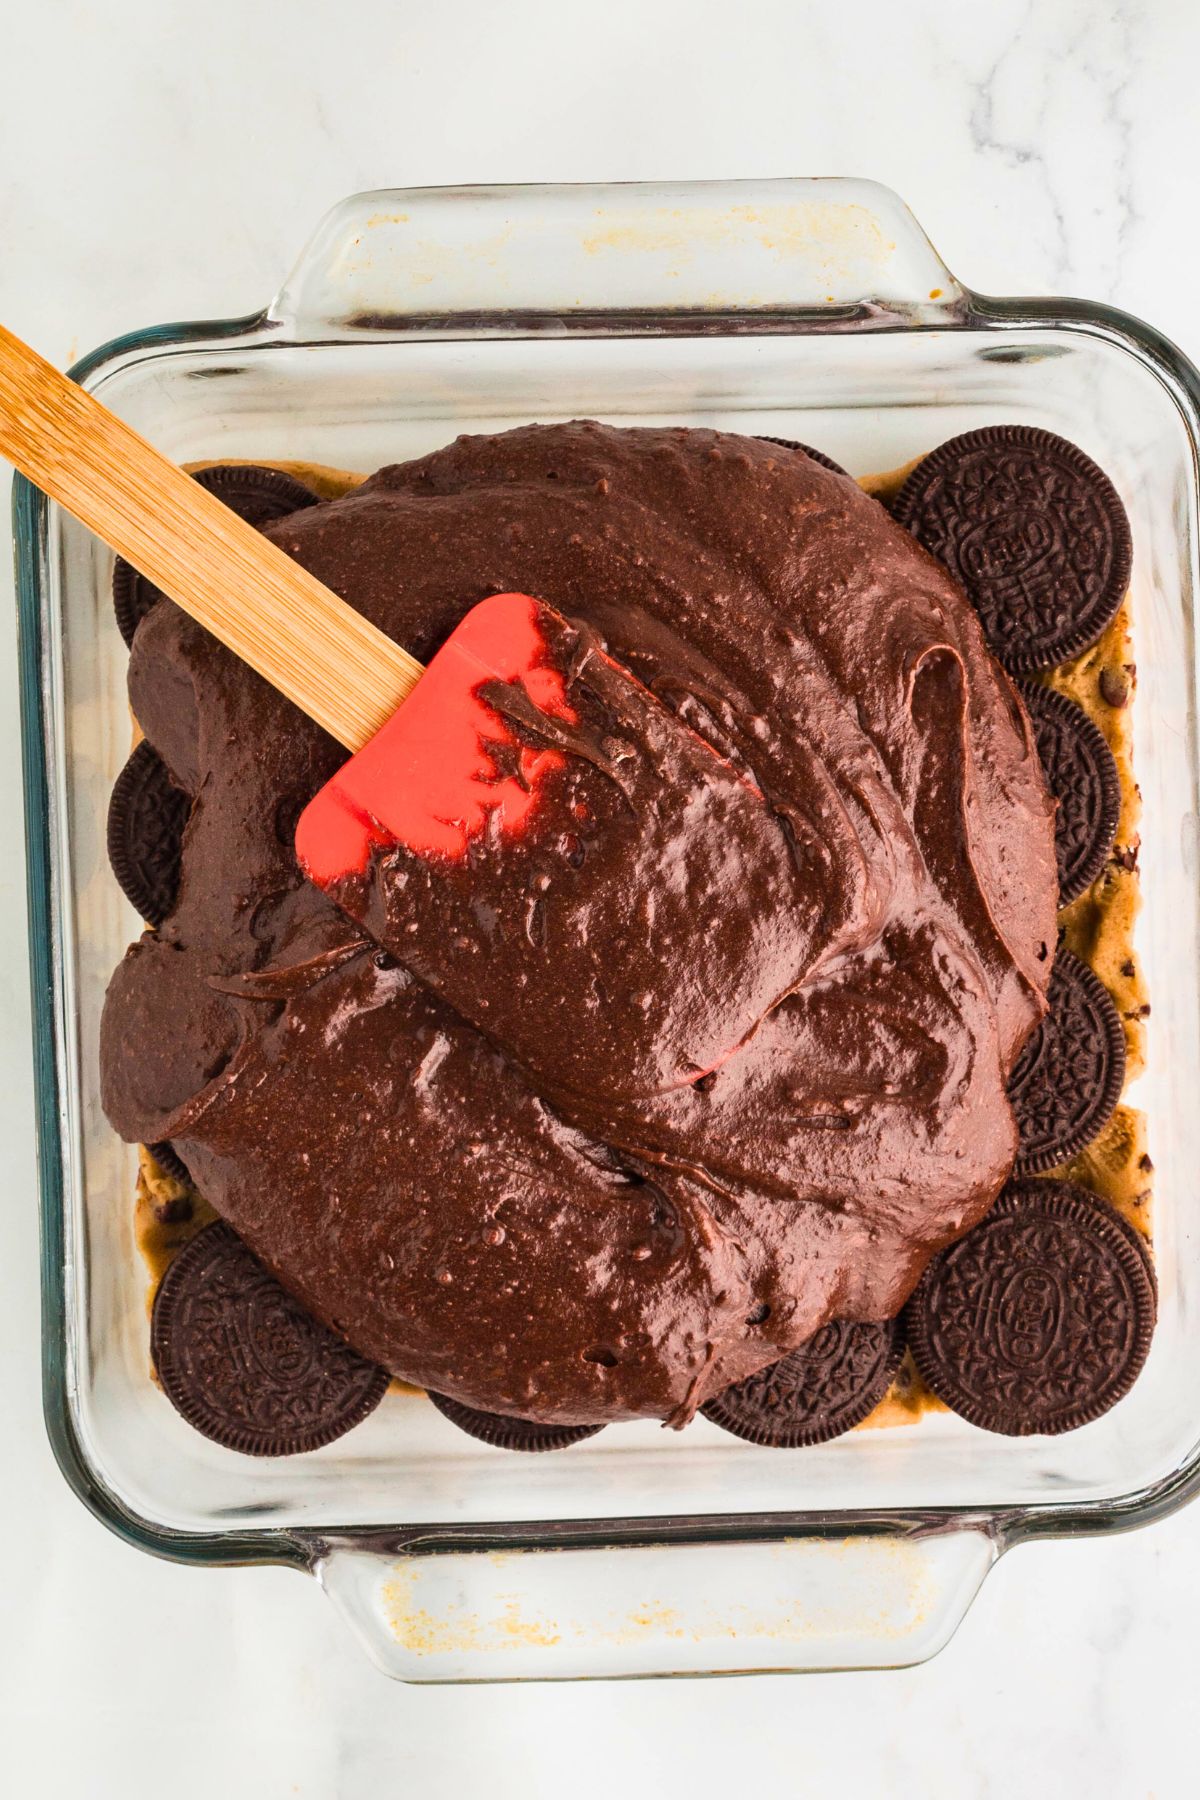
[(817, 1391), (146, 819), (818, 456), (169, 1160), (1034, 531), (1040, 1319), (504, 1433), (258, 495), (1068, 1078), (245, 1363), (1081, 773)]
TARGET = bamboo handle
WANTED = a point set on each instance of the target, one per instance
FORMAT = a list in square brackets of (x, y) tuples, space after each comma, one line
[(328, 659)]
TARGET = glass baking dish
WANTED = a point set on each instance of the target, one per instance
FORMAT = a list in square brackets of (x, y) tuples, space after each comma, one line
[(807, 309)]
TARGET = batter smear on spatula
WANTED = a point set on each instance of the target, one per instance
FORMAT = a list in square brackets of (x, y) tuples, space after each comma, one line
[(532, 808)]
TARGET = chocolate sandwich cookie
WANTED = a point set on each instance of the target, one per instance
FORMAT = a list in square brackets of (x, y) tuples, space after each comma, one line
[(1082, 775), (245, 1363), (1068, 1079), (818, 456), (1034, 531), (146, 819), (504, 1433), (258, 495), (816, 1392), (1040, 1319), (169, 1160)]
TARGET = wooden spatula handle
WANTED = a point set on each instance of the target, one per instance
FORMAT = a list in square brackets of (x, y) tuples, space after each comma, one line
[(306, 641)]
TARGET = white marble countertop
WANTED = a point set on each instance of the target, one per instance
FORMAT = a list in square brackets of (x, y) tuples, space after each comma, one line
[(160, 161)]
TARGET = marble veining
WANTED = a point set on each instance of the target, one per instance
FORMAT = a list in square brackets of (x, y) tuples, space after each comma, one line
[(158, 161)]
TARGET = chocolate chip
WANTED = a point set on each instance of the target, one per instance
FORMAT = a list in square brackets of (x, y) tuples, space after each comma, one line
[(1034, 531), (174, 1212), (1114, 687)]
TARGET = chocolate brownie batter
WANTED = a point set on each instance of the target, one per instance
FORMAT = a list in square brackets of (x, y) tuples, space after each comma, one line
[(400, 1171)]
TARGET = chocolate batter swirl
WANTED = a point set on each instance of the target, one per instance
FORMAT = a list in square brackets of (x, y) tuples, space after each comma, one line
[(400, 1171)]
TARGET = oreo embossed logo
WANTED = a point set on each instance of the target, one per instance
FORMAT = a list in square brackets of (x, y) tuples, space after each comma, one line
[(1039, 1319)]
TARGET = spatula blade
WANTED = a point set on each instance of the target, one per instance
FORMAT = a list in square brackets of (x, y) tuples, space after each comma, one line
[(541, 840)]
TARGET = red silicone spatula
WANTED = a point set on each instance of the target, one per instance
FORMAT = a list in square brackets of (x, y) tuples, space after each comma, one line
[(520, 824)]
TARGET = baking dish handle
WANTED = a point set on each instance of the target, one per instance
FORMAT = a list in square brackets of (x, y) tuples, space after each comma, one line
[(843, 252), (826, 1602)]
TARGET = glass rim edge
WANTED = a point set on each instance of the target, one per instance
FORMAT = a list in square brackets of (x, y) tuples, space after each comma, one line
[(301, 1549)]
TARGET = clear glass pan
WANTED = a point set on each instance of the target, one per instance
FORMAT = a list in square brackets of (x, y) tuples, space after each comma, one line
[(807, 309)]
